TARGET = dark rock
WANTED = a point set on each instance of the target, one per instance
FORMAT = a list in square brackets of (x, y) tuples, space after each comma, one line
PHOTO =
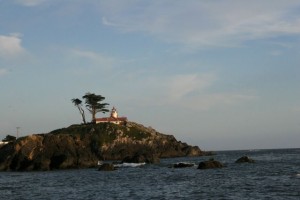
[(245, 159), (46, 152), (183, 165), (106, 167), (192, 150), (209, 153), (210, 164), (142, 158)]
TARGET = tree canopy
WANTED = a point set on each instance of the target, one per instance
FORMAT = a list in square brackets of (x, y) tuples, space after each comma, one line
[(78, 103), (93, 104), (9, 138)]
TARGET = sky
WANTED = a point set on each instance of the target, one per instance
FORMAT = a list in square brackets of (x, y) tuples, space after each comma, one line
[(219, 74)]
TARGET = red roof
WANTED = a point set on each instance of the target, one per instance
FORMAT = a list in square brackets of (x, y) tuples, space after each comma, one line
[(111, 119)]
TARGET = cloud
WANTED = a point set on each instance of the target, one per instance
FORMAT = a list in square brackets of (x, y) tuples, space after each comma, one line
[(193, 91), (208, 101), (190, 91), (275, 53), (29, 2), (3, 72), (88, 61), (10, 46), (181, 86), (108, 23), (96, 58), (205, 23)]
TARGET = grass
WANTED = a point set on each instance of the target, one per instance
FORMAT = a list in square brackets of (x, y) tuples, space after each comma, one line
[(102, 133)]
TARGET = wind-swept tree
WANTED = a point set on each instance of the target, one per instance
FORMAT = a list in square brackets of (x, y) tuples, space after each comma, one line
[(77, 103), (94, 105), (9, 138)]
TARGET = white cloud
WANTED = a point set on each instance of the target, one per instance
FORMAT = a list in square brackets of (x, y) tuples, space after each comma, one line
[(3, 72), (183, 85), (93, 56), (201, 23), (90, 59), (10, 46), (108, 23), (85, 54), (208, 101), (29, 2), (275, 53), (191, 91)]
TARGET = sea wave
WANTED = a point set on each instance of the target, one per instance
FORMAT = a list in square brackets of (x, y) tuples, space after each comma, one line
[(129, 164), (266, 179)]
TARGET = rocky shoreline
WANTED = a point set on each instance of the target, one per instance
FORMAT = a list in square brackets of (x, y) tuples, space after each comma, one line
[(82, 146)]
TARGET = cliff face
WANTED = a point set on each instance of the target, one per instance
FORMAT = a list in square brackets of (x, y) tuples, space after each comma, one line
[(81, 146)]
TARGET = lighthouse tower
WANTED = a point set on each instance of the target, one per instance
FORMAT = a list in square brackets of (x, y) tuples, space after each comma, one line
[(113, 118), (114, 113)]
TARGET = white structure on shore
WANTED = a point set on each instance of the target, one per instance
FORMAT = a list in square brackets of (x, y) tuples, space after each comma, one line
[(2, 143), (114, 118)]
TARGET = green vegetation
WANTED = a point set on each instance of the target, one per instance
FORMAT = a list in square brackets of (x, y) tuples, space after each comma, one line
[(9, 138), (104, 132), (135, 133), (96, 135), (93, 105), (77, 103)]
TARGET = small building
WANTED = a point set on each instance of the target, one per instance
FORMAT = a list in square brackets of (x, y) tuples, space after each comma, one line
[(114, 118), (3, 143)]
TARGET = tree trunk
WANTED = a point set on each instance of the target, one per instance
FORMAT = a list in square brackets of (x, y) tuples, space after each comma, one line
[(94, 115), (82, 114)]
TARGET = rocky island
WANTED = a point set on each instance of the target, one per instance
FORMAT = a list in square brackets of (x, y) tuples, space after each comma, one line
[(82, 146)]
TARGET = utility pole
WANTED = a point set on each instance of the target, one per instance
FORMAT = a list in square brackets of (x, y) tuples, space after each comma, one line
[(18, 132)]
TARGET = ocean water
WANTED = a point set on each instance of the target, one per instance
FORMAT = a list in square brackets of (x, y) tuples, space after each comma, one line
[(275, 175)]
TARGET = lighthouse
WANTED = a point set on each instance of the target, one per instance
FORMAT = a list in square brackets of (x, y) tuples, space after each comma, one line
[(114, 113), (113, 118)]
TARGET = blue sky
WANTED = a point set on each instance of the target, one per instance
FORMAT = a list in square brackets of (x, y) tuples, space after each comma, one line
[(220, 74)]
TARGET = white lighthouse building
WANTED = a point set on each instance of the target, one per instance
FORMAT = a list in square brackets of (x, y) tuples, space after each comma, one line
[(114, 118), (114, 113)]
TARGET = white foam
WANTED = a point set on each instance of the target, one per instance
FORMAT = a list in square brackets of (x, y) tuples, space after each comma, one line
[(130, 164), (185, 163), (99, 162)]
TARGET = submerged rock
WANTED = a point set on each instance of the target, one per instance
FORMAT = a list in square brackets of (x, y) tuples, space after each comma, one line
[(106, 167), (183, 165), (210, 164), (245, 159), (142, 158)]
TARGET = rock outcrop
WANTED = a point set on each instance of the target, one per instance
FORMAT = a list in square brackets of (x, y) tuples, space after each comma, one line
[(210, 164), (46, 152), (245, 159), (142, 158), (183, 165), (81, 146), (106, 167)]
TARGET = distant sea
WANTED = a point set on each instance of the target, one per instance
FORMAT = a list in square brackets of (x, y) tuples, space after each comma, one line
[(275, 175)]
